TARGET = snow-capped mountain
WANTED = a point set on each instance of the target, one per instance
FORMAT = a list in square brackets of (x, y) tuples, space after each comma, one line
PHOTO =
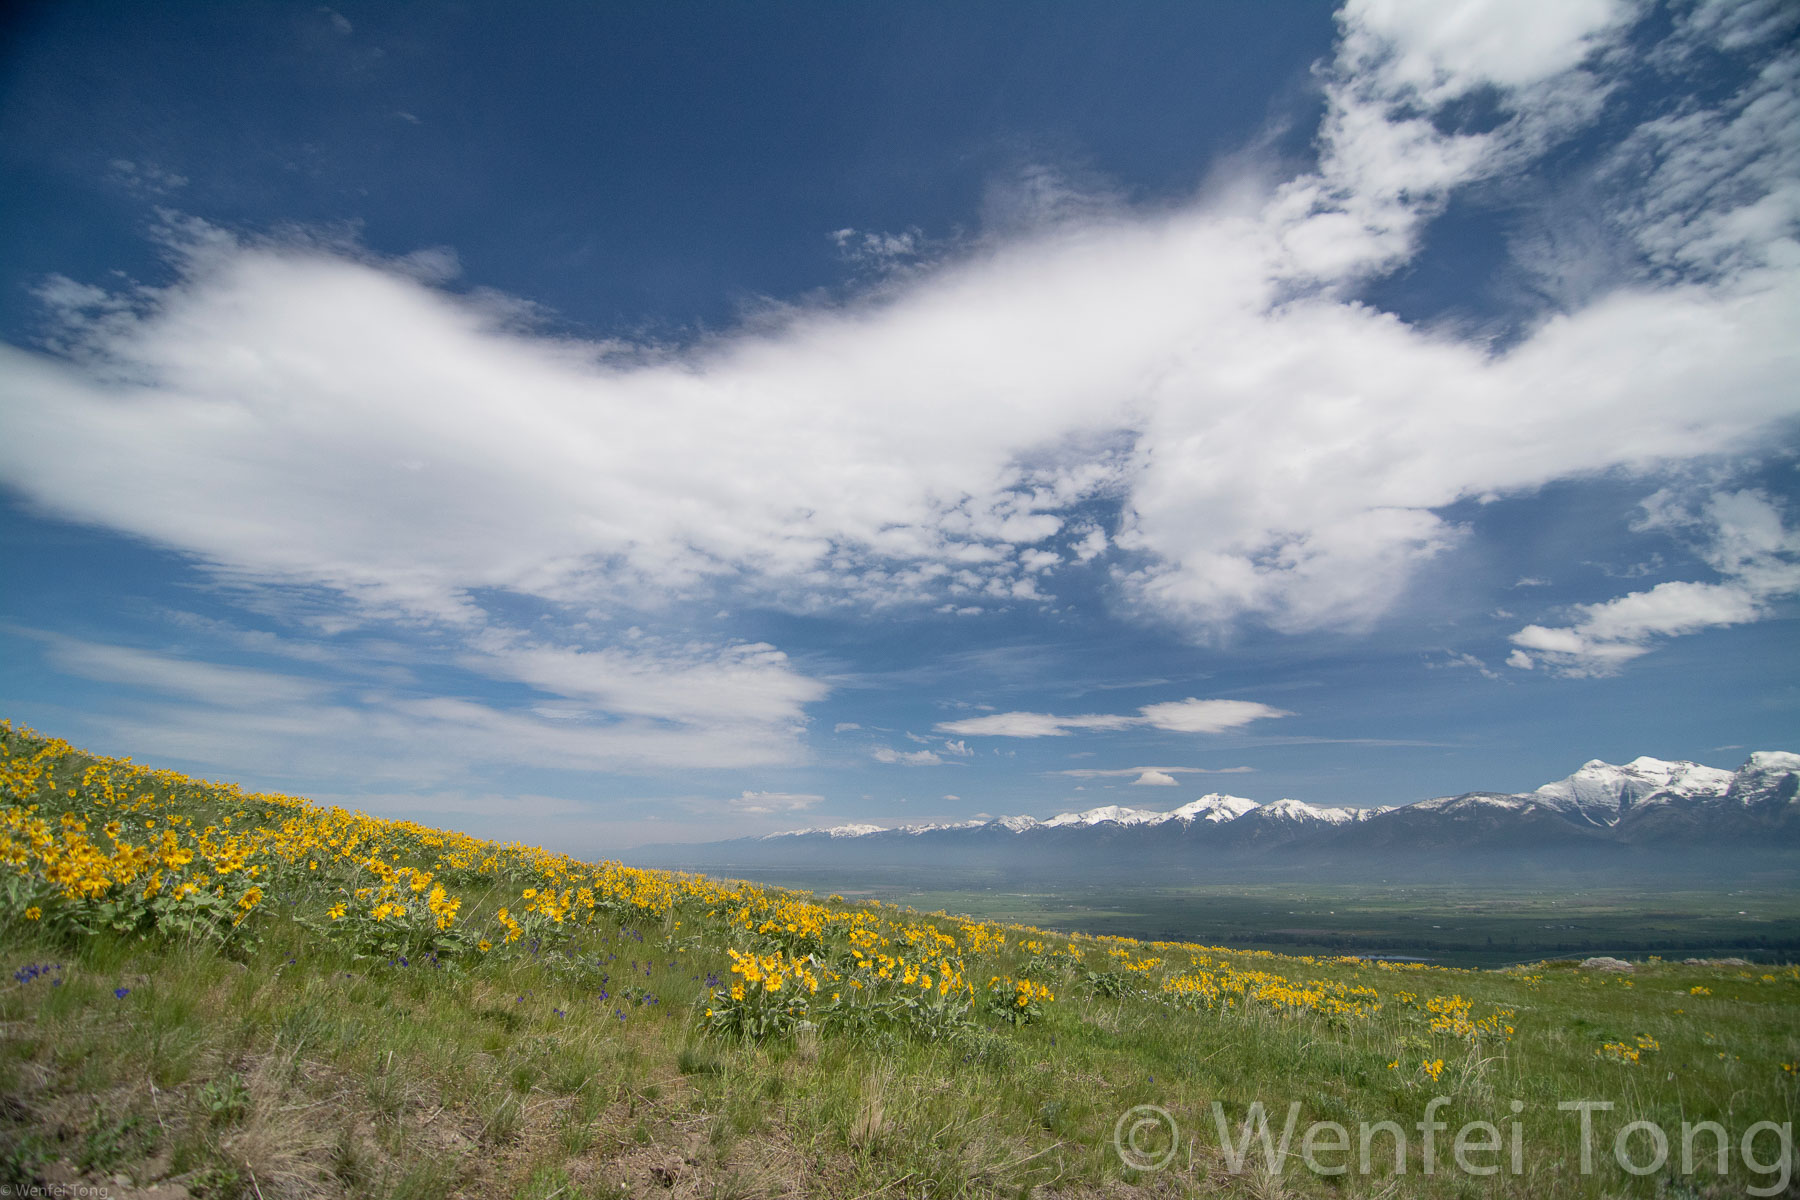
[(1213, 808), (1116, 813), (1300, 813), (1645, 805), (1602, 793), (836, 831), (1771, 777), (936, 825)]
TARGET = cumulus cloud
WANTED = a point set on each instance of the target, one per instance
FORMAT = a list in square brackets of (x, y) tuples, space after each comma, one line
[(1742, 536), (1177, 716), (293, 413), (1154, 779)]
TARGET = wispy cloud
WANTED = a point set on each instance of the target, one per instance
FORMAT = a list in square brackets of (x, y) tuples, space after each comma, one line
[(1454, 659), (1120, 772), (1033, 725), (1177, 716), (276, 724), (230, 687), (146, 179), (746, 683), (762, 803), (908, 758)]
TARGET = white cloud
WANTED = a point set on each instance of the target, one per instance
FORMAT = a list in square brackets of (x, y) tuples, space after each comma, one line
[(878, 250), (1031, 725), (750, 683), (306, 414), (912, 758), (845, 726), (1743, 537), (1178, 716), (1091, 545), (1120, 772), (1154, 779), (1438, 50), (958, 748), (761, 803), (1722, 186), (1668, 610), (1207, 716), (1453, 659)]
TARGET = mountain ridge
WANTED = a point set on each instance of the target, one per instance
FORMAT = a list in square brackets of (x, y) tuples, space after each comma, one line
[(1648, 804)]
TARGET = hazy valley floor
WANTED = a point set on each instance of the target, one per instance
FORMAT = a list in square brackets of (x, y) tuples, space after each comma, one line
[(1480, 924)]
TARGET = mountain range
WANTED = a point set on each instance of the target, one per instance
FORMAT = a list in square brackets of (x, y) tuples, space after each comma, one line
[(1603, 812)]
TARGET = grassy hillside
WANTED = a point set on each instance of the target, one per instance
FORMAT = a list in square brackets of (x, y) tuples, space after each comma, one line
[(219, 994)]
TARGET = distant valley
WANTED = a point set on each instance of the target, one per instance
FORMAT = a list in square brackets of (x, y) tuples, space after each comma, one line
[(1604, 819)]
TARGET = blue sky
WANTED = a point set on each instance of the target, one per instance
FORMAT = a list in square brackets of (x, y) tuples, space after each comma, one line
[(604, 424)]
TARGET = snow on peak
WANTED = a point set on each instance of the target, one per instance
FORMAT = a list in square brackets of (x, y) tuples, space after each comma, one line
[(1764, 776), (836, 831), (1016, 824), (1602, 792), (1473, 801), (1773, 762), (934, 826), (1214, 807), (1109, 812), (1298, 811)]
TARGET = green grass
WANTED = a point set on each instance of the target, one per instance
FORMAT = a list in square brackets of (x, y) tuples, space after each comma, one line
[(285, 1065), (328, 1075)]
